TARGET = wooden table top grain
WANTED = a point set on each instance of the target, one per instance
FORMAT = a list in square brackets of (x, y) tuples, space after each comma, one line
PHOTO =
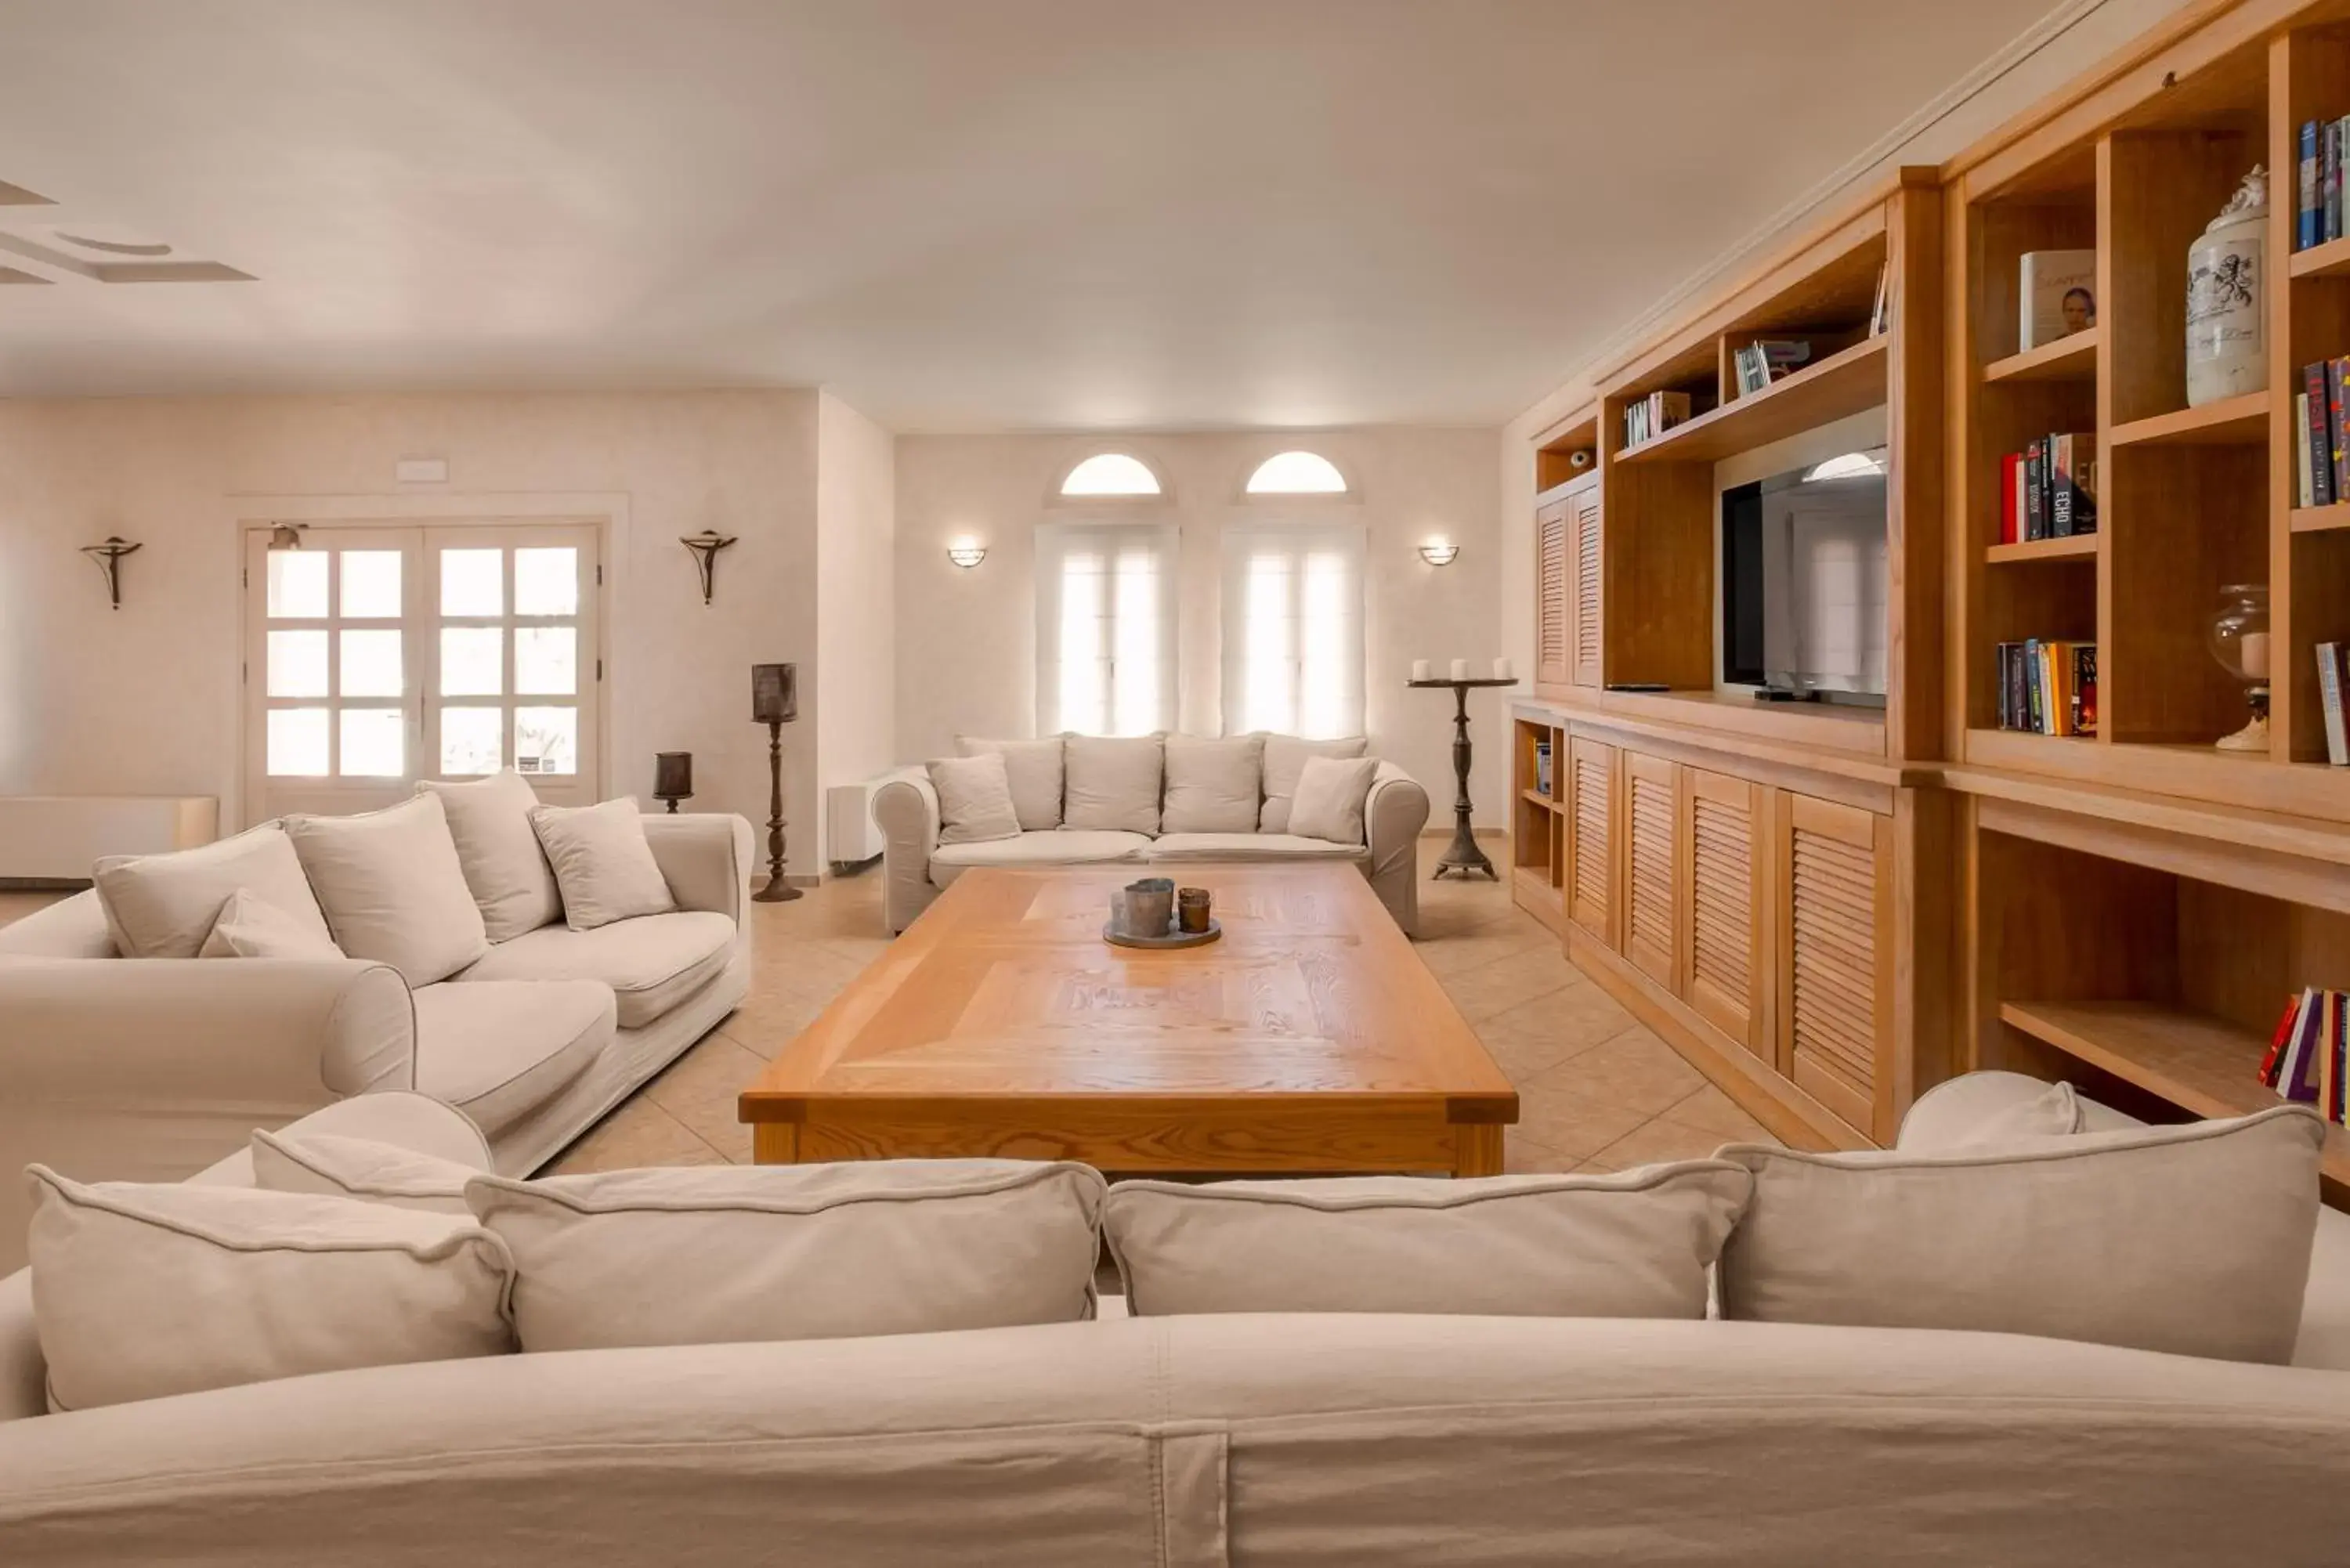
[(1310, 1038)]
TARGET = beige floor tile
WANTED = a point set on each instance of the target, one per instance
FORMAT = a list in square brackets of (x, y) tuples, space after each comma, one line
[(639, 1133), (1495, 988), (1522, 1155), (1634, 1070), (1711, 1110), (1656, 1141), (1558, 1115), (700, 1088)]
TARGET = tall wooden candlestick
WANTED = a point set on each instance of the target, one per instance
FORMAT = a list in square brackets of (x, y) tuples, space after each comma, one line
[(777, 890)]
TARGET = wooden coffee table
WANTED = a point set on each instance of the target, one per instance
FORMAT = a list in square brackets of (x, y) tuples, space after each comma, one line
[(1311, 1038)]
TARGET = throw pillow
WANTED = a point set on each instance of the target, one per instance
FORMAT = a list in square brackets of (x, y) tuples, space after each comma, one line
[(252, 926), (513, 885), (602, 862), (164, 906), (2055, 1113), (2192, 1240), (974, 799), (142, 1292), (361, 1169), (1213, 787), (1635, 1244), (1330, 798), (803, 1251), (1034, 769), (1285, 759), (391, 887), (1113, 783)]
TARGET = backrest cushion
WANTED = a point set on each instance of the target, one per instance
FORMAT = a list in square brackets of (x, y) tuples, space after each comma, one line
[(141, 1292), (1635, 1244), (1113, 783), (706, 1255), (488, 821), (326, 1165), (602, 862), (1213, 787), (164, 906), (1034, 768), (1332, 794), (974, 799), (1285, 759), (2193, 1240), (392, 888), (250, 927)]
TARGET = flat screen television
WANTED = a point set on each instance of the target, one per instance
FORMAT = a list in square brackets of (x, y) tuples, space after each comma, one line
[(1803, 581)]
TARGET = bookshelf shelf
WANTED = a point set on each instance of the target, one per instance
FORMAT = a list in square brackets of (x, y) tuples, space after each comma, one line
[(2073, 359), (2201, 1065), (2233, 422), (2331, 259), (2072, 547), (2320, 519), (1844, 383), (1535, 797)]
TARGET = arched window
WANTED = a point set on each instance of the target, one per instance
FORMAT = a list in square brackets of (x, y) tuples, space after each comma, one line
[(1297, 473), (1110, 474)]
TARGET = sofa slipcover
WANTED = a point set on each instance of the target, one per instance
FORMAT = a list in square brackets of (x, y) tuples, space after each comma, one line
[(651, 963), (1062, 846), (499, 1050)]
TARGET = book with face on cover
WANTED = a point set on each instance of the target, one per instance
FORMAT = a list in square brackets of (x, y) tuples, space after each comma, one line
[(2059, 296)]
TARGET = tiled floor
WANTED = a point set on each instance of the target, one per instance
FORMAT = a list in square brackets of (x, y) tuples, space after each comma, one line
[(1598, 1091)]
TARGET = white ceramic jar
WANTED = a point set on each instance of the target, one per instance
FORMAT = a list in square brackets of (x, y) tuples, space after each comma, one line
[(2226, 304)]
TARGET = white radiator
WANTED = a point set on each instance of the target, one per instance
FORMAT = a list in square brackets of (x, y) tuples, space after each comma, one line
[(51, 839), (851, 836)]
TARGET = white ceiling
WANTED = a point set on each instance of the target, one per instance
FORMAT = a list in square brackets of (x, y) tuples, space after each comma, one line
[(961, 214)]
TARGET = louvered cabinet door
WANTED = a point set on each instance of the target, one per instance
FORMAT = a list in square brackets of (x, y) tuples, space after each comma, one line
[(1651, 883), (1552, 633), (1584, 574), (1836, 968), (1591, 838), (1724, 924)]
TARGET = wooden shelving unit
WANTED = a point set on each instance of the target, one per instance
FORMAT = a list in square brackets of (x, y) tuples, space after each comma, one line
[(2233, 422), (1846, 382), (2073, 359), (2319, 519), (2070, 547), (2331, 259)]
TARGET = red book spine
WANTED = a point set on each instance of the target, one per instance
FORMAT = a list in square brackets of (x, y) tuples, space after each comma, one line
[(2334, 371), (2011, 485), (2321, 435), (2276, 1042)]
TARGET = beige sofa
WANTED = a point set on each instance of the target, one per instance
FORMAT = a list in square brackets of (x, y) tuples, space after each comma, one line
[(917, 868), (1281, 1441), (150, 1069)]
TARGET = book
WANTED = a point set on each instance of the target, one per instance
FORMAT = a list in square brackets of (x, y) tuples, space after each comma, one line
[(2329, 181), (1542, 767), (2035, 490), (1880, 314), (2319, 423), (2304, 479), (2011, 498), (2283, 1033), (2305, 212), (2084, 689), (2059, 296), (2295, 1074), (2330, 670)]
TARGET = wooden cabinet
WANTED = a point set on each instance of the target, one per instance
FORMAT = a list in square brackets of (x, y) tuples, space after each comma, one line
[(1835, 953), (1567, 565), (1554, 637), (1651, 885), (1591, 836), (1584, 575), (1724, 925)]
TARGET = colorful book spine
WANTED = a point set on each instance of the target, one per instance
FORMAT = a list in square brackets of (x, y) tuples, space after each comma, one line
[(2320, 426), (2329, 181), (2329, 692), (2277, 1041), (2084, 689), (2011, 498), (2035, 490), (2305, 213), (2339, 469)]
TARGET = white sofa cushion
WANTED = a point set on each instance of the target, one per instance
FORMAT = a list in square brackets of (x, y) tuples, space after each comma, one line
[(164, 906), (1213, 787), (1112, 782), (602, 862), (974, 799), (2192, 1240), (489, 819), (1635, 1244), (1251, 846), (1285, 758), (1034, 768), (1330, 795), (652, 962), (1066, 847), (141, 1292), (250, 927), (711, 1255), (391, 887), (362, 1169), (500, 1050)]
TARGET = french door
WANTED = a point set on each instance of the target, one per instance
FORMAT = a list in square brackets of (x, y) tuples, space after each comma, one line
[(376, 656)]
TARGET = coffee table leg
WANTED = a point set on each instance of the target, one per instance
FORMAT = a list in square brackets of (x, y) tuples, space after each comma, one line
[(1477, 1148), (775, 1143)]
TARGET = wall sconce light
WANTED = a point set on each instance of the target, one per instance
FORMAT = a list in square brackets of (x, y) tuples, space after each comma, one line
[(1439, 552), (286, 536), (966, 553), (705, 547), (109, 556)]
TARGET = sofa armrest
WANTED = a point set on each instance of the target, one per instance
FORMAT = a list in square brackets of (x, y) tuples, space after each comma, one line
[(1393, 816), (707, 860), (906, 808)]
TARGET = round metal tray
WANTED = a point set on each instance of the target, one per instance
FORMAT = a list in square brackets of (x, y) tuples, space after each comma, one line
[(1173, 938)]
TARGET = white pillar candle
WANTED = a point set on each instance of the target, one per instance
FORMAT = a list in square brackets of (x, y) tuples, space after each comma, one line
[(1460, 669), (1422, 670), (2256, 655), (1501, 670)]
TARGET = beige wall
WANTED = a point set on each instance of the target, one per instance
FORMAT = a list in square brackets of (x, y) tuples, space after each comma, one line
[(966, 660), (856, 521), (147, 699)]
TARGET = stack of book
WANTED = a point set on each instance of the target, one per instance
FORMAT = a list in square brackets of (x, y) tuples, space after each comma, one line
[(1653, 415), (1542, 767), (2305, 1058), (2048, 490), (2048, 687), (2319, 216), (1766, 359), (2321, 463)]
